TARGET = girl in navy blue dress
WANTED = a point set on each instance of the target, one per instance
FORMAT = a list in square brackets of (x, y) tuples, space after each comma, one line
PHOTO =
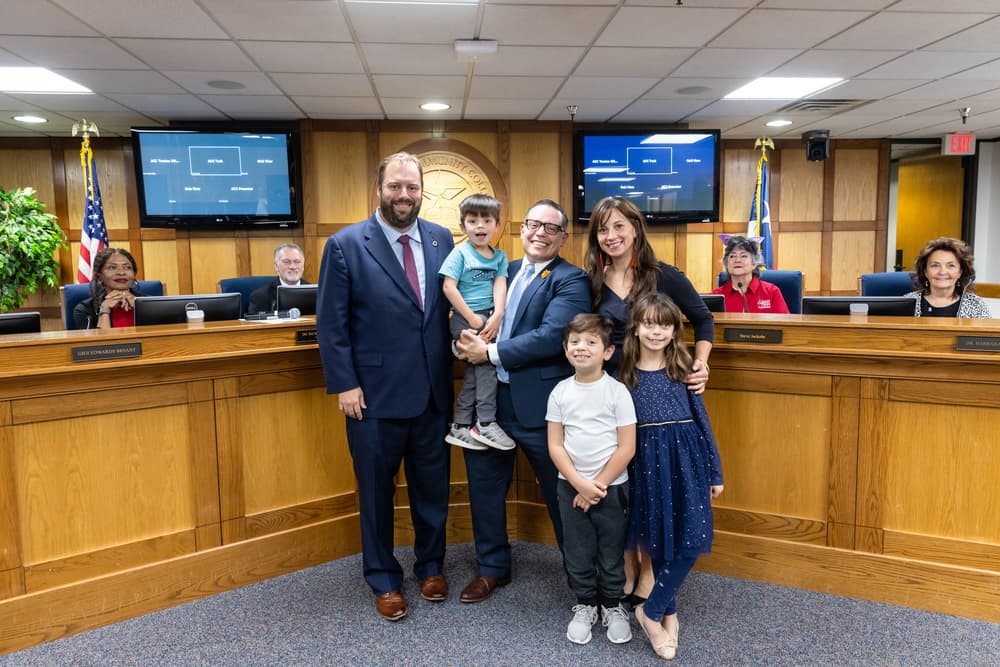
[(676, 466)]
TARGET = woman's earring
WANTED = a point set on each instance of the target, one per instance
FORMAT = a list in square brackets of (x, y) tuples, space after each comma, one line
[(632, 262)]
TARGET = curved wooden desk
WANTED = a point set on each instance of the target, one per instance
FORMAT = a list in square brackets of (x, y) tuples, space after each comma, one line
[(861, 458)]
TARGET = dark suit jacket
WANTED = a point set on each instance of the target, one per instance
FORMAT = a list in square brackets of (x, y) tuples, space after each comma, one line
[(371, 331), (265, 299), (533, 355)]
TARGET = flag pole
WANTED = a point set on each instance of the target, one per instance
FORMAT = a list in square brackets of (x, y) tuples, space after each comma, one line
[(93, 235), (760, 217)]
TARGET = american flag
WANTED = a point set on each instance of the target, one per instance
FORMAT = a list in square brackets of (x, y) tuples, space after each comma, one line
[(94, 236)]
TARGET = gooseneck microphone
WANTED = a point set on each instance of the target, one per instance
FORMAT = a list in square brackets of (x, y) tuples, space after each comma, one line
[(743, 294)]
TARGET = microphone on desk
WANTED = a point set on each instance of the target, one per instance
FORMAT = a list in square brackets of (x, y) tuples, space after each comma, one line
[(746, 306)]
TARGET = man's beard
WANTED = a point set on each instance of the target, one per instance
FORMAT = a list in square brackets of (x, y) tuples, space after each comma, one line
[(393, 220)]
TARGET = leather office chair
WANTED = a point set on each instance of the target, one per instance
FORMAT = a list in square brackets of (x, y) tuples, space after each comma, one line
[(245, 286), (789, 282), (71, 295), (889, 283)]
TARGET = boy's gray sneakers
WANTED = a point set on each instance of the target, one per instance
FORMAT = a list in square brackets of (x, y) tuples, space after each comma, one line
[(616, 620), (460, 437), (491, 435), (584, 617)]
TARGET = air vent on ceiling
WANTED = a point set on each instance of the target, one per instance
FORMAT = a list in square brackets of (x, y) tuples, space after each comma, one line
[(805, 106)]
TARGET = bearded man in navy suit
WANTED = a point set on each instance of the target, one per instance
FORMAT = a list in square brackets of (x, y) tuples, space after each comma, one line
[(382, 326), (530, 362)]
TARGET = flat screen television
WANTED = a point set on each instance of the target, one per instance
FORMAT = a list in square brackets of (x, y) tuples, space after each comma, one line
[(672, 176), (716, 303), (302, 297), (903, 306), (217, 178), (173, 309), (18, 323)]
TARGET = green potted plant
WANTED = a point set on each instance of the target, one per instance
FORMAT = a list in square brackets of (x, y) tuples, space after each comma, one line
[(29, 239)]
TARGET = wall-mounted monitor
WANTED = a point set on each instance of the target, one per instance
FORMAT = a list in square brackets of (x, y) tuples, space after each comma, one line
[(903, 306), (18, 323), (716, 303), (302, 297), (173, 309), (217, 177), (672, 176)]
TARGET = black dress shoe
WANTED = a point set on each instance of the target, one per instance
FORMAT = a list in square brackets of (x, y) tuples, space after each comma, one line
[(481, 588)]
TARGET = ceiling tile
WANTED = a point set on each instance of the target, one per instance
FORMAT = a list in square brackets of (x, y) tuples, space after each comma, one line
[(413, 23), (735, 62), (738, 108), (254, 83), (694, 89), (305, 57), (189, 54), (982, 37), (665, 111), (515, 87), (588, 110), (420, 59), (832, 62), (648, 26), (559, 25), (988, 71), (767, 28), (40, 18), (8, 59), (347, 85), (168, 106), (605, 88), (94, 52), (538, 60), (261, 105), (121, 80), (625, 61), (62, 102), (408, 108), (145, 18), (867, 89), (520, 109), (902, 30), (320, 107), (927, 65), (948, 89), (423, 87), (288, 20)]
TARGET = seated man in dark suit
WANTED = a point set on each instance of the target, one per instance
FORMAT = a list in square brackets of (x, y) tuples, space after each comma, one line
[(289, 263)]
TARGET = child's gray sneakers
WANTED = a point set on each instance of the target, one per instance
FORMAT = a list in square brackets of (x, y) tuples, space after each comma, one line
[(616, 620), (584, 617)]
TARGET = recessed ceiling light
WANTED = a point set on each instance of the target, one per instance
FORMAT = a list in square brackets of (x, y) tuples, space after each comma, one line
[(36, 80), (435, 106), (692, 90), (30, 119), (778, 123), (225, 84), (781, 88)]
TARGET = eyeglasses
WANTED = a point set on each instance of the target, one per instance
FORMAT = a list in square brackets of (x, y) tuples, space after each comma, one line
[(549, 227)]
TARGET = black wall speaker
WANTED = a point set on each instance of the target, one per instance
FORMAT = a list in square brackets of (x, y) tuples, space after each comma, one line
[(817, 145)]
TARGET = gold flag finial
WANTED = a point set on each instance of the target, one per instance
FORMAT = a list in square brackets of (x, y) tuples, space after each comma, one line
[(86, 129), (763, 143)]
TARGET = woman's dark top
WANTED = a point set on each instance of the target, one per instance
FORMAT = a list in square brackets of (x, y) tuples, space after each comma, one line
[(927, 310), (674, 284)]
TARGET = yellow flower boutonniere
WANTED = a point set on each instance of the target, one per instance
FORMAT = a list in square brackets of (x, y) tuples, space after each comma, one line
[(545, 274)]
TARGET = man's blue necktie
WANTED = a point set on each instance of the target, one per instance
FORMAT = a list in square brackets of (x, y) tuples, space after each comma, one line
[(521, 282)]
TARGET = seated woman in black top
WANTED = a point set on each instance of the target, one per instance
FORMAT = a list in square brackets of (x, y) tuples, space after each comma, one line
[(944, 275), (112, 292)]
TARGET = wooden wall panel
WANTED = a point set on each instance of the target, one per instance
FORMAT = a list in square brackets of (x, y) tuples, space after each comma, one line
[(664, 245), (292, 449), (262, 255), (90, 483), (534, 172), (111, 179), (160, 263), (800, 197), (739, 179), (29, 167), (941, 490), (699, 267), (853, 254), (212, 259), (855, 184), (337, 187), (786, 476), (801, 251)]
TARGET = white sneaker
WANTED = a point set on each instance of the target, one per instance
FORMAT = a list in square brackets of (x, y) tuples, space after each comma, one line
[(584, 617), (460, 437), (492, 435), (616, 621)]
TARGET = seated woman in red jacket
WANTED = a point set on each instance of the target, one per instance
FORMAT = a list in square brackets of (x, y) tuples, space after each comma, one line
[(746, 292)]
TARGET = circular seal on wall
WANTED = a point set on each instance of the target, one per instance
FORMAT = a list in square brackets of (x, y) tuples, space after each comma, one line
[(448, 179)]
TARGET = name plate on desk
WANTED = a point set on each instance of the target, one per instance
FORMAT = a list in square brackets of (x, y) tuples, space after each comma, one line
[(978, 343), (102, 352), (305, 336), (741, 335)]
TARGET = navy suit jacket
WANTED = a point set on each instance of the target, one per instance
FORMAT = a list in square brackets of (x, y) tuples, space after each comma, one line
[(371, 331), (534, 355)]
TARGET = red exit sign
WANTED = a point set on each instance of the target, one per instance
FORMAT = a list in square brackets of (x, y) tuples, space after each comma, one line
[(958, 144)]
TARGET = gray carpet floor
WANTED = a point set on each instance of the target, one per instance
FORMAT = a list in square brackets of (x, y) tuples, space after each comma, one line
[(324, 616)]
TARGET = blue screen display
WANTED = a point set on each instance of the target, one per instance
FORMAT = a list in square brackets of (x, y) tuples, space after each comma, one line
[(224, 174), (662, 174)]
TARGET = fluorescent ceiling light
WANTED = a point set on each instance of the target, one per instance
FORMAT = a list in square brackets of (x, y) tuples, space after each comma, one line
[(778, 123), (782, 88), (36, 80), (435, 106), (30, 119)]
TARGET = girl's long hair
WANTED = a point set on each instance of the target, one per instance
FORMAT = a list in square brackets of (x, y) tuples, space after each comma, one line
[(644, 263), (658, 308)]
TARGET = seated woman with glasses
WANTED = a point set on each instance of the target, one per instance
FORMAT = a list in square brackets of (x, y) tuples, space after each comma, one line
[(746, 292), (112, 292)]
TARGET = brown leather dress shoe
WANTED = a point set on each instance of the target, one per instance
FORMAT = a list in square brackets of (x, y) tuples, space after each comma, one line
[(481, 588), (391, 605), (434, 588)]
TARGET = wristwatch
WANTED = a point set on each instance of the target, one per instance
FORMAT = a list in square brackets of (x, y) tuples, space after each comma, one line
[(105, 311)]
